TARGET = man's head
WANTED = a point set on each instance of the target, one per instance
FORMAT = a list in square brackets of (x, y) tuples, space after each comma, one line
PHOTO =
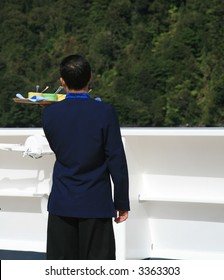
[(75, 71)]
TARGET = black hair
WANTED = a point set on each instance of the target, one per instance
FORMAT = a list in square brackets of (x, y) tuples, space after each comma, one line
[(75, 71)]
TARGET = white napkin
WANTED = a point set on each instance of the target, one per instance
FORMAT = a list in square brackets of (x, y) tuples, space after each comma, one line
[(33, 98)]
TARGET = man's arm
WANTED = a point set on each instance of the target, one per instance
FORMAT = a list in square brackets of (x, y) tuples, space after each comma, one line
[(117, 164)]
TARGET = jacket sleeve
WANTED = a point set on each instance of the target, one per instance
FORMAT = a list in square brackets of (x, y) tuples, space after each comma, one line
[(116, 160)]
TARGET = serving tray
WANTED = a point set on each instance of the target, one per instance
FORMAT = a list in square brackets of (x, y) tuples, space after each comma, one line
[(26, 101)]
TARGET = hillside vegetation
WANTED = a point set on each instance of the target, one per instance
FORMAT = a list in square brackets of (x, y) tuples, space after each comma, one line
[(159, 62)]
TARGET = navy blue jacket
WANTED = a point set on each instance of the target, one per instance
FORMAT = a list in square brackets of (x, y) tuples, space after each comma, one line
[(85, 137)]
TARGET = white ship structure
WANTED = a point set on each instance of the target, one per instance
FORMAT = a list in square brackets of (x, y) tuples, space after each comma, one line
[(176, 192)]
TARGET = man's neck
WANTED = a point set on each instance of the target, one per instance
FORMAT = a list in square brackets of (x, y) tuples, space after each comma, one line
[(78, 90)]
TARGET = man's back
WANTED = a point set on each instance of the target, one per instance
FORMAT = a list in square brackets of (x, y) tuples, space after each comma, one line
[(85, 136)]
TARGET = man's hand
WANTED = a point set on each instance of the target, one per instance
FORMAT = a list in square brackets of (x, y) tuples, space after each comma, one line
[(121, 216)]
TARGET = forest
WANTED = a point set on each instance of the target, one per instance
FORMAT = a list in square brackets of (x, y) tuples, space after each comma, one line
[(159, 62)]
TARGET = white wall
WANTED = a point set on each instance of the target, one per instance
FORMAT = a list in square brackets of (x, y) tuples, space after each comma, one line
[(176, 191), (24, 186)]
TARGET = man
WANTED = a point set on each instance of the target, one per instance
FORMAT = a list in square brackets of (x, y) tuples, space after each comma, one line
[(85, 137)]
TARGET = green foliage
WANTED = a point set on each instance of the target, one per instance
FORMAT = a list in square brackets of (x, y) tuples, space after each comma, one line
[(161, 63)]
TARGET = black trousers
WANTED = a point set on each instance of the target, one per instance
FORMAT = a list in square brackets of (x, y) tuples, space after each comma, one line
[(80, 239)]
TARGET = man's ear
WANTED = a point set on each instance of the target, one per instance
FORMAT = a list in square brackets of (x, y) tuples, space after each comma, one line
[(63, 82), (91, 78)]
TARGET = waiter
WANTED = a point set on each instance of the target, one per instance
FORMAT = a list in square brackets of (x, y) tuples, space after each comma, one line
[(84, 134)]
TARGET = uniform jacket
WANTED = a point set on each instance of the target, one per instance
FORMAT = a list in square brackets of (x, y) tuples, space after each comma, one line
[(85, 137)]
